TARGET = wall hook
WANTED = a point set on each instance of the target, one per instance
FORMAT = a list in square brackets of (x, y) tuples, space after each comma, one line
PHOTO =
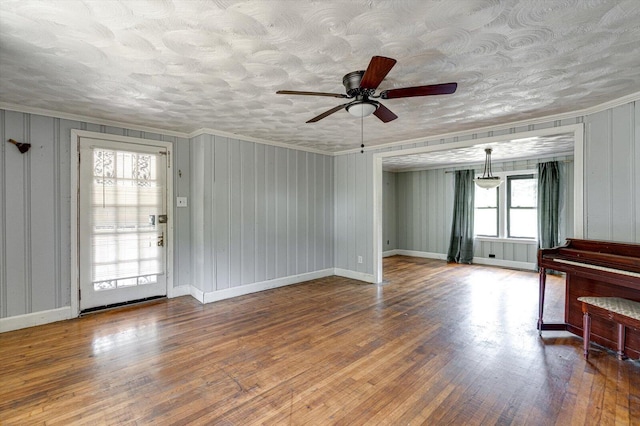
[(22, 147)]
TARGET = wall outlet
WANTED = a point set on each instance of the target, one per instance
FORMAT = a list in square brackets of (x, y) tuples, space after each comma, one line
[(359, 259), (492, 256), (181, 201)]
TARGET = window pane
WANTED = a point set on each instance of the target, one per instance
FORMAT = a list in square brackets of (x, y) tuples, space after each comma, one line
[(523, 223), (486, 197), (486, 222), (523, 192)]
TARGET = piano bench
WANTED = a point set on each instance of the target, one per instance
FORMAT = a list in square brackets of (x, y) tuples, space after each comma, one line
[(624, 312)]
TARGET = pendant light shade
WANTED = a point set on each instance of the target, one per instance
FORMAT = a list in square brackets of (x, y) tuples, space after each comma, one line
[(487, 181)]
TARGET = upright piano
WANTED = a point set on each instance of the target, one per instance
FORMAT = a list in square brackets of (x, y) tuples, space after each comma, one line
[(593, 268)]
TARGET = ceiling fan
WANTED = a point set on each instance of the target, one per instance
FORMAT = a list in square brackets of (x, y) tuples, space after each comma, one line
[(361, 87)]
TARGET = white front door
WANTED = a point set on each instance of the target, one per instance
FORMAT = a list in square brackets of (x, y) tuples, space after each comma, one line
[(122, 222)]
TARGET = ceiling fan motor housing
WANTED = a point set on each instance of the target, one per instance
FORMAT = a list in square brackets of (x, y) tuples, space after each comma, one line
[(351, 83)]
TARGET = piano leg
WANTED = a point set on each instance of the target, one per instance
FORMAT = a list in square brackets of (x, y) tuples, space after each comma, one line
[(543, 283), (586, 333), (621, 338)]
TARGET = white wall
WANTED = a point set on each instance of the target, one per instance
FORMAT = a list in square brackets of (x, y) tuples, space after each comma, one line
[(261, 213), (612, 174), (389, 208)]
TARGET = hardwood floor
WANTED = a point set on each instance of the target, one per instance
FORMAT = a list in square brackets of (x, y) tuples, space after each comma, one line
[(438, 344)]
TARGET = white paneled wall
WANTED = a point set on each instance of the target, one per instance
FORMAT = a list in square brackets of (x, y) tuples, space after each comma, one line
[(612, 174), (389, 208), (260, 213), (354, 212), (423, 210), (35, 257)]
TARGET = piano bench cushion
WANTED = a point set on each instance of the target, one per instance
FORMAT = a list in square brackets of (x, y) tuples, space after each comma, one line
[(618, 305)]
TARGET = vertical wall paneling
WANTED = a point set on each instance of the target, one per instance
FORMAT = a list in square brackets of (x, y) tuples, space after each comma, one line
[(302, 214), (16, 216), (182, 215), (622, 168), (3, 219), (389, 219), (208, 215), (248, 212), (197, 178), (259, 221), (598, 176), (282, 208), (260, 213), (41, 208), (292, 211), (271, 223), (222, 216), (311, 243), (235, 214), (329, 233)]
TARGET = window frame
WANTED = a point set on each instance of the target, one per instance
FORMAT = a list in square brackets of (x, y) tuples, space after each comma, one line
[(497, 209), (503, 209), (509, 179)]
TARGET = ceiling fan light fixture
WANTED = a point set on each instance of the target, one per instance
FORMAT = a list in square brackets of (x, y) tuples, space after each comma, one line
[(488, 181), (362, 108)]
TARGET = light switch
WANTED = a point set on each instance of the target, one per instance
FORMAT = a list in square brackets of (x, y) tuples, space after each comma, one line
[(181, 201)]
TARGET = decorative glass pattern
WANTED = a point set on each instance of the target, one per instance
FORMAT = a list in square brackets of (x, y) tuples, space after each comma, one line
[(126, 198)]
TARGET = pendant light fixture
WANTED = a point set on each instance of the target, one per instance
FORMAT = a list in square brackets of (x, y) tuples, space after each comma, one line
[(488, 181)]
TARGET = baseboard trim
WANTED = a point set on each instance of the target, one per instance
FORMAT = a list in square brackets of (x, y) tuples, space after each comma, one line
[(37, 318), (228, 293), (354, 275), (389, 253), (511, 264), (423, 254)]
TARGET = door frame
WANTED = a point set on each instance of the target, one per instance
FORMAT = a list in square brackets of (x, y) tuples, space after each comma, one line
[(75, 206)]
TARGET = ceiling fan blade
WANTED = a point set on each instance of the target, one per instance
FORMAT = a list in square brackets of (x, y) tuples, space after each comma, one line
[(377, 70), (295, 92), (384, 114), (327, 113), (407, 92)]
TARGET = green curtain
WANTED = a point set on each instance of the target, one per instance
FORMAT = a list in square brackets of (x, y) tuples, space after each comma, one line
[(461, 245), (548, 204)]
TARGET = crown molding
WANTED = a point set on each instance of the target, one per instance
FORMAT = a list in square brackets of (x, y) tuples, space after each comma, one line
[(214, 132), (89, 119), (84, 118), (147, 129), (634, 97)]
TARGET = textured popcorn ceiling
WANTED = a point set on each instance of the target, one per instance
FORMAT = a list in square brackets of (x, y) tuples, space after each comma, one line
[(184, 65), (507, 150)]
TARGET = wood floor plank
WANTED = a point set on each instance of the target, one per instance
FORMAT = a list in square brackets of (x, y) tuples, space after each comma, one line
[(436, 344)]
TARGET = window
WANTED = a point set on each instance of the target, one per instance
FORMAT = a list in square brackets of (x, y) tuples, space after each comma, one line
[(510, 210), (485, 218), (522, 203)]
